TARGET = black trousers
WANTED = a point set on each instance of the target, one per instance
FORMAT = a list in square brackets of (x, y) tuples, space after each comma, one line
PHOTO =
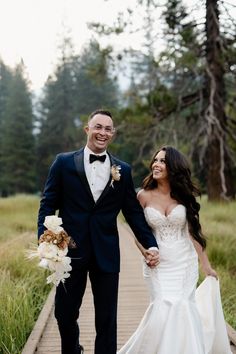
[(69, 299)]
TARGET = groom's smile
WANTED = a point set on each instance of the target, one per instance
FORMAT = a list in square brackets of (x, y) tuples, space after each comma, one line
[(99, 132)]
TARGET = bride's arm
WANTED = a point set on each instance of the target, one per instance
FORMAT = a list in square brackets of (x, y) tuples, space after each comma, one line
[(151, 255), (142, 197), (203, 259), (140, 247), (142, 200)]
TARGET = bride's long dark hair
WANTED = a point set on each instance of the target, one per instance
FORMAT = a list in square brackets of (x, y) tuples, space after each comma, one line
[(182, 188)]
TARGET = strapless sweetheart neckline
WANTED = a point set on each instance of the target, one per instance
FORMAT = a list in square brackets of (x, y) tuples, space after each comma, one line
[(165, 216)]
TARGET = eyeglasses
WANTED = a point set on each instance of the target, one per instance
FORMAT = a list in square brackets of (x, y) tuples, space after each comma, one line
[(108, 129)]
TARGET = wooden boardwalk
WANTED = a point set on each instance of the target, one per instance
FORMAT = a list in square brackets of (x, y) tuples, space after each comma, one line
[(133, 301)]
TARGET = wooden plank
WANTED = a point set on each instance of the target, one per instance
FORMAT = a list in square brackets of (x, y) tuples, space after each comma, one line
[(231, 333), (232, 337)]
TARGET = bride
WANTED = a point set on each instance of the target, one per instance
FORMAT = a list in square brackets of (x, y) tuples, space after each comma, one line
[(179, 319)]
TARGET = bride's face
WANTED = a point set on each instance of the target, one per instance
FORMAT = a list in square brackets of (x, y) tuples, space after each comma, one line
[(159, 170)]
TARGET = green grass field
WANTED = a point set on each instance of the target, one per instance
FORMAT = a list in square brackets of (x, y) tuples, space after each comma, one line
[(23, 288), (219, 225)]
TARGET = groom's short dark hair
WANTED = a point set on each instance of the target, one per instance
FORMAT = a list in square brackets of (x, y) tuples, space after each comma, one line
[(100, 111)]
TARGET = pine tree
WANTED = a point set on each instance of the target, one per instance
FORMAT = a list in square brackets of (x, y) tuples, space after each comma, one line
[(18, 150), (95, 86), (58, 117), (5, 79), (219, 172)]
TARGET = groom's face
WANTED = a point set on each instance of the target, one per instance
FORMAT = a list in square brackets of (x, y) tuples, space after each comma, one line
[(100, 131)]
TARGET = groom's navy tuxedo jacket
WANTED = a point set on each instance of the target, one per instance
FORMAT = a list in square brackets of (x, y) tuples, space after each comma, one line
[(93, 225)]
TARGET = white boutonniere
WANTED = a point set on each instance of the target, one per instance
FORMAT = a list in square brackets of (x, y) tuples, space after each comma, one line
[(115, 174)]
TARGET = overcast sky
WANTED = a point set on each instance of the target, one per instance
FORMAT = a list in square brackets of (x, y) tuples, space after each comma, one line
[(30, 29)]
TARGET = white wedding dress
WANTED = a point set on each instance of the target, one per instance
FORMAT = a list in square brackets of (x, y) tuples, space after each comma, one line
[(179, 319)]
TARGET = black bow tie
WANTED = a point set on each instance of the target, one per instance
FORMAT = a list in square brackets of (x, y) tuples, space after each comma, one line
[(93, 158)]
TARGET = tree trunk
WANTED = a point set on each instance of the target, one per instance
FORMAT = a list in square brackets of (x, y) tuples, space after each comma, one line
[(219, 171)]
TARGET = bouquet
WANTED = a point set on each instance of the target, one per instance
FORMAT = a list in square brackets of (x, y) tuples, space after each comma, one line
[(52, 250)]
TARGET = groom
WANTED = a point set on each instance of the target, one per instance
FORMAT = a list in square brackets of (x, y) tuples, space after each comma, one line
[(89, 198)]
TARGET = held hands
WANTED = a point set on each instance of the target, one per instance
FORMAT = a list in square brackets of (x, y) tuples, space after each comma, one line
[(152, 258)]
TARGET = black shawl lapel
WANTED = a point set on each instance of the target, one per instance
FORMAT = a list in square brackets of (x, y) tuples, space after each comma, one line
[(79, 164)]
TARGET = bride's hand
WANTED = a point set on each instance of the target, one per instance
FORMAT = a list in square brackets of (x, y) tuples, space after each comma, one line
[(210, 272)]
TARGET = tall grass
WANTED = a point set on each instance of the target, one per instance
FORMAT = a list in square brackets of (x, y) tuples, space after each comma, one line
[(21, 300), (22, 284), (17, 214), (219, 224)]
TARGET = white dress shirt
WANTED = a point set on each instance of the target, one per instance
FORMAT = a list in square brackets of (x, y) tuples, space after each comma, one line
[(97, 173)]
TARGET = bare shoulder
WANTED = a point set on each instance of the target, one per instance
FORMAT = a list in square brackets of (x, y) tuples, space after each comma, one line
[(140, 193), (143, 197)]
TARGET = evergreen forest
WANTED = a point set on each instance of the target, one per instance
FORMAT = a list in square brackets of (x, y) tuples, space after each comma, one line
[(180, 90)]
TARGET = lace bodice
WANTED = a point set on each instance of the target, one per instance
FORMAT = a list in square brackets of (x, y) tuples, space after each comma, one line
[(168, 228)]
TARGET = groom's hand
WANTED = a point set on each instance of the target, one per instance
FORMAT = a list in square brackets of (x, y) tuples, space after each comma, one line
[(152, 258)]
